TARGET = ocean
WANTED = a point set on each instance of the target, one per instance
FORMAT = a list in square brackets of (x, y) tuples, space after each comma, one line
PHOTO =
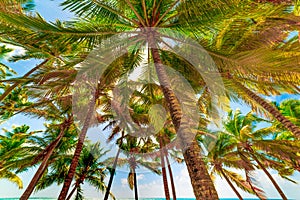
[(132, 199)]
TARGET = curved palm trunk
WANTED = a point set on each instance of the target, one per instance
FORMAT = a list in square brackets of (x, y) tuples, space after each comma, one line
[(270, 177), (171, 176), (112, 174), (202, 184), (272, 110), (164, 172), (136, 196), (8, 91), (44, 164), (75, 160), (231, 185)]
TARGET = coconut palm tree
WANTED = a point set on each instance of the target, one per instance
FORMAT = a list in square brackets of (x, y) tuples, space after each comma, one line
[(91, 169), (45, 155), (189, 17), (142, 113), (15, 149), (251, 144), (223, 157), (290, 108), (133, 149)]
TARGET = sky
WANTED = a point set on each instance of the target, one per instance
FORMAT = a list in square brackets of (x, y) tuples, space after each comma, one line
[(150, 185)]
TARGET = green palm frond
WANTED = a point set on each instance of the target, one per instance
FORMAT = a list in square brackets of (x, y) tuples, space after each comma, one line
[(11, 177), (238, 180)]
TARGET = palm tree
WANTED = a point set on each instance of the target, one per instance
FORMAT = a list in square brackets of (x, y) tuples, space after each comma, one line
[(290, 108), (91, 169), (143, 113), (16, 149), (251, 144), (271, 109), (192, 17), (222, 157), (132, 148), (45, 156)]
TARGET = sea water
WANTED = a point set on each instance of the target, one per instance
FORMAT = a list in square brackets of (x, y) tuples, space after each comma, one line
[(131, 199)]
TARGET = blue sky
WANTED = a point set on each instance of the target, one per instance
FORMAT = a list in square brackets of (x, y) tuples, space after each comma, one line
[(150, 185)]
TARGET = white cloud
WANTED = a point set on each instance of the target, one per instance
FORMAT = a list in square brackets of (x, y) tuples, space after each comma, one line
[(15, 51), (290, 189), (151, 189), (124, 182), (140, 176)]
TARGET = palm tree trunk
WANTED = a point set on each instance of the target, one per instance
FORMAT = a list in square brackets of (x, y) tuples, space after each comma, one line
[(112, 174), (163, 169), (44, 164), (231, 185), (270, 177), (135, 185), (72, 192), (271, 109), (75, 160), (8, 91), (171, 176), (201, 181), (11, 6)]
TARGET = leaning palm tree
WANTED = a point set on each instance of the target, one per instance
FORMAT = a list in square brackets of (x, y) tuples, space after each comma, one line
[(62, 130), (251, 144), (222, 158)]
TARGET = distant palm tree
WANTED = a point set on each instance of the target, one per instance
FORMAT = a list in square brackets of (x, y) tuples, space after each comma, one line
[(251, 144), (223, 157), (16, 150), (91, 169), (132, 148)]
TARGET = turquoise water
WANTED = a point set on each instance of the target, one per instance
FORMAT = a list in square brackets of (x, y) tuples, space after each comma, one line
[(131, 199)]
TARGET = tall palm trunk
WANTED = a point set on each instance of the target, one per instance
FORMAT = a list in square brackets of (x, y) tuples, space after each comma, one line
[(136, 196), (270, 177), (163, 169), (112, 174), (271, 109), (44, 164), (75, 160), (231, 185), (201, 181), (171, 176)]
